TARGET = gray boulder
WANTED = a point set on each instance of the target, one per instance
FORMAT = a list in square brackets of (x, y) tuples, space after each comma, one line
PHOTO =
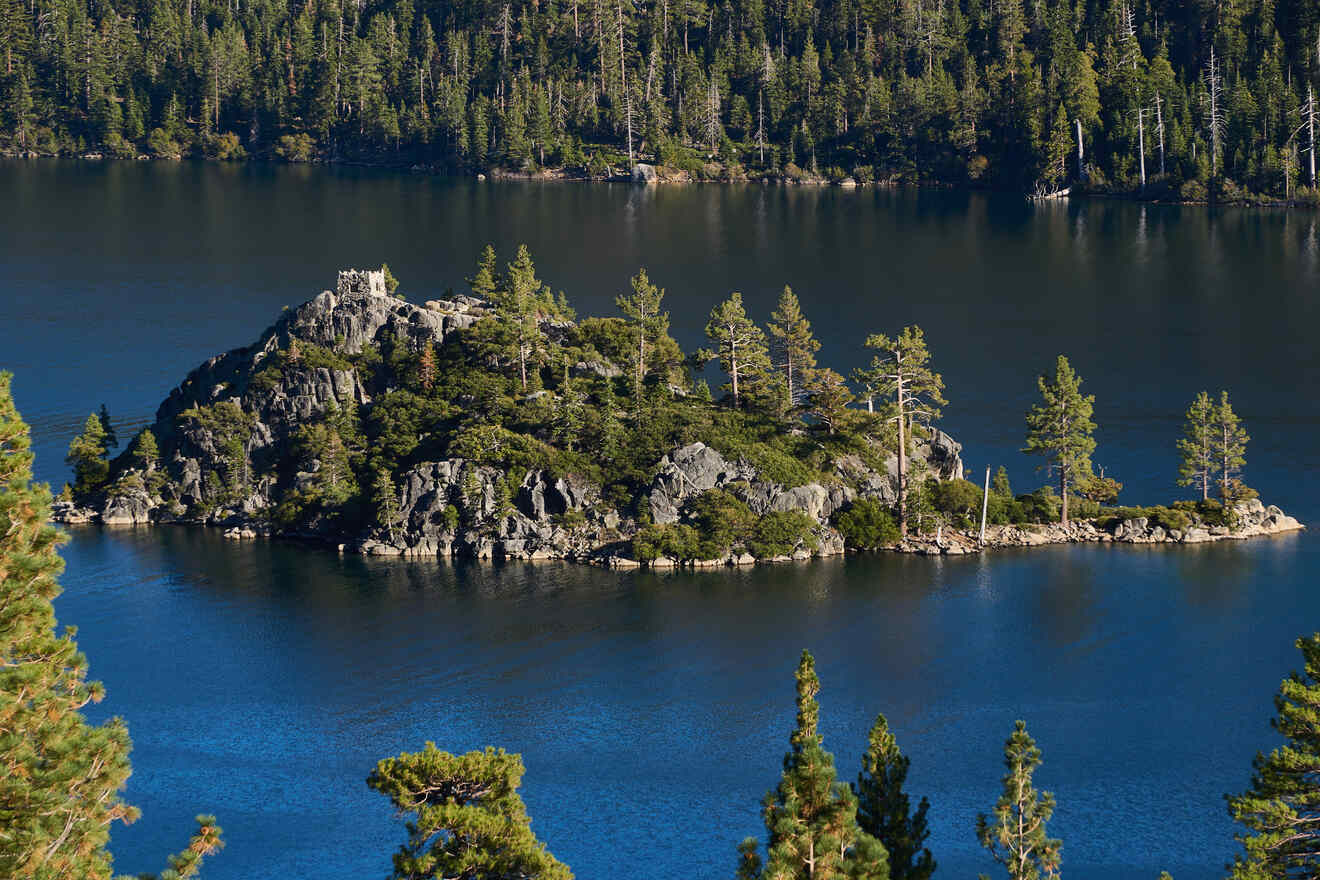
[(129, 508), (687, 472)]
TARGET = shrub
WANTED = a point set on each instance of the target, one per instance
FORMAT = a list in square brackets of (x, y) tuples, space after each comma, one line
[(161, 145), (675, 540), (225, 147), (960, 499), (296, 148), (1169, 518), (780, 532), (866, 524), (1040, 506)]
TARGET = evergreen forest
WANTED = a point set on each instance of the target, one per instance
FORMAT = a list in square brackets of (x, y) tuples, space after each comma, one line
[(1162, 99)]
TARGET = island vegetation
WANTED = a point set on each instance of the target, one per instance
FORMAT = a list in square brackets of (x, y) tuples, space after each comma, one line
[(1163, 100), (59, 794), (500, 424)]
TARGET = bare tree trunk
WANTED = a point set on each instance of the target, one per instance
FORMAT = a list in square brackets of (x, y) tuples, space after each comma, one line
[(902, 463), (1063, 490), (1141, 142), (1080, 153), (1310, 124), (1159, 126), (733, 369)]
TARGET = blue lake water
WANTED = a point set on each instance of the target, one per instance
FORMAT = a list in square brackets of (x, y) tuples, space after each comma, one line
[(261, 682)]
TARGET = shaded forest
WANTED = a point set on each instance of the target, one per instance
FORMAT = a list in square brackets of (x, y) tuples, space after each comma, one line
[(1177, 98)]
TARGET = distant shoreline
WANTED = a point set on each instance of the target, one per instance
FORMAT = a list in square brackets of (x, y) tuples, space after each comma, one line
[(671, 177)]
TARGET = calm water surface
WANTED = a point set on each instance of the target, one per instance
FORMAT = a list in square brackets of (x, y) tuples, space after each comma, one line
[(262, 682)]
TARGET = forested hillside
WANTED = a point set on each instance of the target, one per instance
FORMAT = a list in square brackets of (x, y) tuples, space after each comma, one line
[(991, 91)]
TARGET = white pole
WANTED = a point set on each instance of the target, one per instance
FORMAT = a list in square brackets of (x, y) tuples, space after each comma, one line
[(985, 504)]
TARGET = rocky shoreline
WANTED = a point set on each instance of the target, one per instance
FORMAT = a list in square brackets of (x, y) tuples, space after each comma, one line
[(1255, 520), (232, 453)]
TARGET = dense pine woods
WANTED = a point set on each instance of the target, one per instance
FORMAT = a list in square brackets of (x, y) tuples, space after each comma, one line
[(1170, 98)]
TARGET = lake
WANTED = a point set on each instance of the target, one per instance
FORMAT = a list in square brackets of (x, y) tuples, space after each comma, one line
[(261, 682)]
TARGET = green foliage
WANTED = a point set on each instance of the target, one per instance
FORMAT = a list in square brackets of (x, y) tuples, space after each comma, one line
[(1060, 429), (866, 524), (60, 777), (1168, 518), (111, 439), (741, 348), (1041, 506), (900, 370), (883, 808), (716, 522), (959, 499), (652, 348), (1016, 834), (779, 533), (793, 347), (1195, 447), (954, 95), (391, 283), (231, 427), (1229, 446), (189, 862), (1280, 837), (811, 817), (467, 817), (86, 456)]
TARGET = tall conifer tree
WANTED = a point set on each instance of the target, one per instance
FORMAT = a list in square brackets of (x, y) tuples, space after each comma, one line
[(1196, 446), (1281, 810), (60, 777), (812, 817), (1016, 836), (794, 346), (1060, 428), (883, 809), (649, 323), (1230, 448), (901, 370), (740, 346)]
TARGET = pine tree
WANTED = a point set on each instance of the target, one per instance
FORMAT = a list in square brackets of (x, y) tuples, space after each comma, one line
[(469, 820), (146, 452), (812, 817), (486, 281), (426, 367), (1017, 836), (1281, 809), (883, 809), (828, 397), (111, 439), (520, 302), (87, 458), (391, 283), (1060, 429), (385, 501), (901, 370), (794, 346), (1196, 446), (650, 324), (740, 346), (1230, 446), (60, 777)]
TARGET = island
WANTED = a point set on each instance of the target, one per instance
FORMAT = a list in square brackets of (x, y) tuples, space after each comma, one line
[(498, 425)]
